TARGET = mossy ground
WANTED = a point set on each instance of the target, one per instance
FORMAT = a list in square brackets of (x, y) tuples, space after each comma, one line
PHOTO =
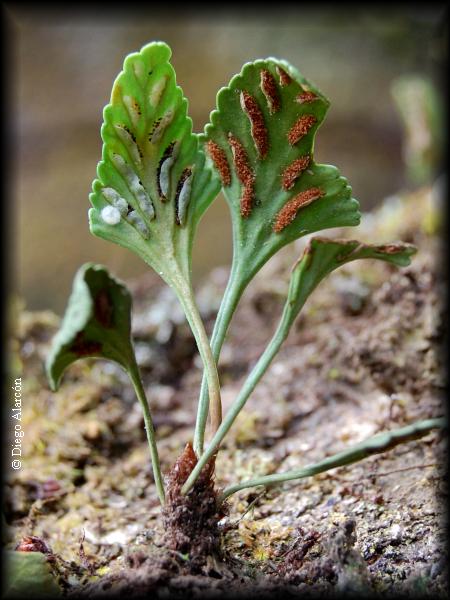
[(364, 356)]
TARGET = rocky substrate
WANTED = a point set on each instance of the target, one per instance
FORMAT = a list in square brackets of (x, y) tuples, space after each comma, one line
[(364, 356)]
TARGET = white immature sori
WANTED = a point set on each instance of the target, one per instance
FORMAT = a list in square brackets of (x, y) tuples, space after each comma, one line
[(139, 70), (160, 126), (135, 186), (164, 169), (135, 219), (156, 91), (133, 109), (183, 195), (130, 144), (116, 200), (110, 215), (165, 196)]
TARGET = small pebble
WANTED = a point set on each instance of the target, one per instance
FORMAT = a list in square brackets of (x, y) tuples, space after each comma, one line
[(395, 534)]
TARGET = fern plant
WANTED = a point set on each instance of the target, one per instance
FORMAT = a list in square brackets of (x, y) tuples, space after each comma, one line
[(155, 181)]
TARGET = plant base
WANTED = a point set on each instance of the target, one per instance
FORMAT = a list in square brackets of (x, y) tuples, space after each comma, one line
[(191, 521)]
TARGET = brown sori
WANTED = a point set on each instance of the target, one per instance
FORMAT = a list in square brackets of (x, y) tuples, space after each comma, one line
[(270, 90), (300, 128), (219, 158), (285, 78), (247, 200), (244, 173), (306, 97), (294, 170), (289, 211), (259, 131)]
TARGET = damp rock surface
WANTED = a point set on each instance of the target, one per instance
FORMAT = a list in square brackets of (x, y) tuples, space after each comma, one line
[(85, 488)]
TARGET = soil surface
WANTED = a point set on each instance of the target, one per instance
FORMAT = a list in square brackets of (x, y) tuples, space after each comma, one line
[(364, 356)]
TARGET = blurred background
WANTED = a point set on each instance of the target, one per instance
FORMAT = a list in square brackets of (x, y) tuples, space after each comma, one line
[(63, 63)]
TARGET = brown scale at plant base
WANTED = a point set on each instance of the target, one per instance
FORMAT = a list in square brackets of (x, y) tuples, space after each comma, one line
[(244, 173), (300, 128), (306, 97), (285, 78), (32, 543), (191, 520), (289, 211), (259, 130), (183, 467), (293, 171), (270, 90), (219, 158)]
